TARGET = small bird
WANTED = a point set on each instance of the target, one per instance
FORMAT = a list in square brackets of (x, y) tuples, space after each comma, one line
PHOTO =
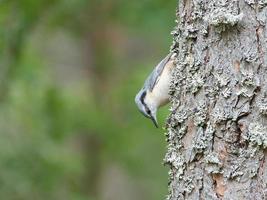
[(155, 92)]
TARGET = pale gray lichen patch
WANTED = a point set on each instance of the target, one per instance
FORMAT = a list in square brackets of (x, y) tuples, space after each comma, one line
[(209, 132), (257, 134), (234, 172), (221, 113), (170, 134), (195, 82), (250, 2), (262, 3), (221, 18), (226, 93), (214, 165), (262, 104), (181, 132), (175, 136), (190, 32), (194, 64), (248, 78), (259, 3), (249, 82), (242, 168), (262, 16), (245, 92), (212, 158), (200, 141), (211, 90), (181, 115), (245, 110), (252, 169), (176, 161), (188, 184), (177, 81), (250, 55), (200, 113), (237, 168), (223, 79), (198, 9)]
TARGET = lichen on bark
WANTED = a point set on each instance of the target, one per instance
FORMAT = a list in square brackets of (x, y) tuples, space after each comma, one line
[(217, 129)]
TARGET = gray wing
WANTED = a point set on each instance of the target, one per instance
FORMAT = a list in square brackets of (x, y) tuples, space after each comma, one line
[(153, 77)]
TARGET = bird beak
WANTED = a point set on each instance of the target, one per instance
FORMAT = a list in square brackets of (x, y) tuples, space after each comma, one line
[(154, 120)]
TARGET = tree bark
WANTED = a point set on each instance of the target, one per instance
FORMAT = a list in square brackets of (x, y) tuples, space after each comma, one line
[(217, 129)]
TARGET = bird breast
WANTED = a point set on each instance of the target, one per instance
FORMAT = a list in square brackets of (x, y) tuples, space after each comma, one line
[(160, 93)]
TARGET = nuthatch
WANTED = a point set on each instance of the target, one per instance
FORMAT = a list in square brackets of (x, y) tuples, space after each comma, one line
[(155, 92)]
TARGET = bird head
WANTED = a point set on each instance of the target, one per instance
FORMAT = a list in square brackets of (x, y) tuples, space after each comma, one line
[(147, 108)]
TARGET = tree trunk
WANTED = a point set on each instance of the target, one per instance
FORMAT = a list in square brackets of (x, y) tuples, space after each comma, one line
[(217, 131)]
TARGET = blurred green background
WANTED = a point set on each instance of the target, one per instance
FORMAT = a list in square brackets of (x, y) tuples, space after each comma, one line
[(69, 71)]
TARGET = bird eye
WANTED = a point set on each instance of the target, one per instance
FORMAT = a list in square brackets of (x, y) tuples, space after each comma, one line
[(147, 111)]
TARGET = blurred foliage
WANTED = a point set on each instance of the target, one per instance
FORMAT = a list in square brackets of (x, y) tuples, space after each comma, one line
[(69, 71)]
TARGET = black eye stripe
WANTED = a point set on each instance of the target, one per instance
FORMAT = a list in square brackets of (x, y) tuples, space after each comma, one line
[(143, 102), (143, 97)]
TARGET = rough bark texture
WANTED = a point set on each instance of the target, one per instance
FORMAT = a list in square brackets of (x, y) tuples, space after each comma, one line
[(217, 131)]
